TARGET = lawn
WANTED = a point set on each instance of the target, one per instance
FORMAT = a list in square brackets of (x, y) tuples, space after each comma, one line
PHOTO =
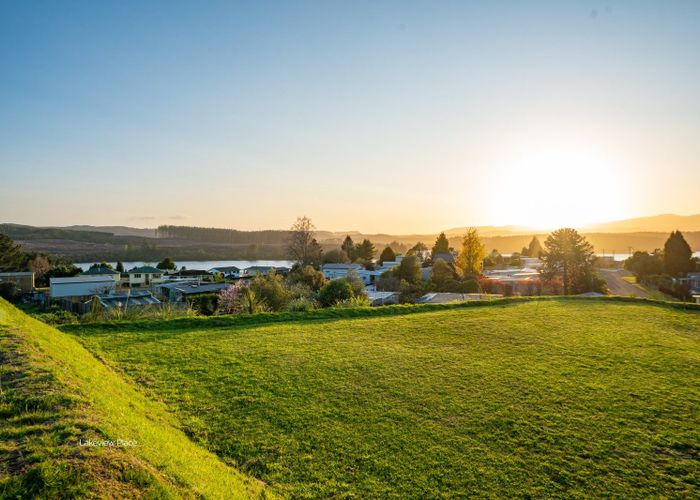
[(557, 397)]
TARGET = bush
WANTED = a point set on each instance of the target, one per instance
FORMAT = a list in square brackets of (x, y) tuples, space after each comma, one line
[(206, 303), (335, 291), (301, 304), (9, 291)]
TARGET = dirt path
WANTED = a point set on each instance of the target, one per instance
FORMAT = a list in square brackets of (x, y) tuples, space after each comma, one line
[(618, 286)]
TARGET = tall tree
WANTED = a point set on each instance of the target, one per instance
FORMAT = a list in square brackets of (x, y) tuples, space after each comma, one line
[(442, 245), (534, 249), (120, 267), (348, 247), (471, 255), (302, 247), (677, 255), (365, 250), (568, 255), (387, 255), (12, 257), (417, 248)]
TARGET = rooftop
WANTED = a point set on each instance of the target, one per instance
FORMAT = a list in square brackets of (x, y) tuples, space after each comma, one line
[(146, 270), (99, 270)]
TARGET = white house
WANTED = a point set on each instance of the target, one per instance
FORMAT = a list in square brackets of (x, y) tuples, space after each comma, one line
[(228, 271), (104, 272), (79, 287), (336, 271), (144, 276)]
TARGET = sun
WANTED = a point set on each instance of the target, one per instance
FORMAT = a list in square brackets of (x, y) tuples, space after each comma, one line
[(557, 188)]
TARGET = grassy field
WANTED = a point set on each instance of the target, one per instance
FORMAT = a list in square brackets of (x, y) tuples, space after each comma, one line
[(546, 398), (54, 395)]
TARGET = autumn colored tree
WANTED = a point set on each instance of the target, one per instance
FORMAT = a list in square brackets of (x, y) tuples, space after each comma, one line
[(471, 255)]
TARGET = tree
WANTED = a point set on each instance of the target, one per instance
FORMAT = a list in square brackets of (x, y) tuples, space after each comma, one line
[(644, 265), (534, 249), (39, 265), (441, 274), (11, 256), (417, 248), (302, 247), (442, 245), (348, 247), (471, 255), (570, 257), (336, 256), (270, 290), (365, 252), (409, 270), (307, 276), (120, 267), (677, 255), (335, 291), (167, 264), (103, 264), (387, 255), (356, 283)]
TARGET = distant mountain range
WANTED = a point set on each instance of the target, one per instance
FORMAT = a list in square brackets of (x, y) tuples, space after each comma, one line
[(655, 223)]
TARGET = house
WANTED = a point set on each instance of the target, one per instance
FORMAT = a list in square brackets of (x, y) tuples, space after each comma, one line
[(143, 277), (382, 298), (126, 299), (228, 271), (103, 271), (24, 281), (697, 298), (692, 280), (183, 292), (523, 281), (253, 270), (166, 290), (449, 258), (196, 274), (444, 298), (336, 271), (531, 262), (79, 288)]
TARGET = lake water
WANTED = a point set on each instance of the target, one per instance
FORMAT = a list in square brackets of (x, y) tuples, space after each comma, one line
[(200, 264)]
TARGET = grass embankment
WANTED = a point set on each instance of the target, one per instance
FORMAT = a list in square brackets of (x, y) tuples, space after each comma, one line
[(54, 393), (552, 397)]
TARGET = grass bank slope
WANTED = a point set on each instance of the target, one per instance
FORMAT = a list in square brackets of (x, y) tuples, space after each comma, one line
[(546, 398), (55, 394)]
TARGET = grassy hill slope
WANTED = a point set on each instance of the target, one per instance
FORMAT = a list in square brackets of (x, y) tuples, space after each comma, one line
[(548, 398), (55, 394)]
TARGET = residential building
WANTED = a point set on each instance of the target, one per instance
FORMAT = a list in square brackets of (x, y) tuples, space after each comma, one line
[(126, 299), (185, 291), (336, 271), (103, 271), (253, 270), (382, 298), (443, 298), (692, 280), (196, 274), (78, 288), (24, 281), (228, 271), (143, 277)]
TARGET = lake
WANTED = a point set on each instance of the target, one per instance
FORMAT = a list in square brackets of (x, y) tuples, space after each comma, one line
[(200, 264)]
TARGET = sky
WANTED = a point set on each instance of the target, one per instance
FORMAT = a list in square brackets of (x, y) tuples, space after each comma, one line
[(404, 117)]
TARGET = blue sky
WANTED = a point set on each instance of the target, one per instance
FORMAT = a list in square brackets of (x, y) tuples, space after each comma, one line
[(379, 116)]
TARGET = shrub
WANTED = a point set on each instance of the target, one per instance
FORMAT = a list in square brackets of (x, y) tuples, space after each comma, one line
[(9, 291), (301, 304), (335, 291)]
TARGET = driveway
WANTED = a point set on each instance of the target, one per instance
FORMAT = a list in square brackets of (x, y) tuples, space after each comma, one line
[(618, 286)]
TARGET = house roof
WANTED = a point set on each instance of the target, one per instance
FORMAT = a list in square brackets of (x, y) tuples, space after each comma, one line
[(81, 279), (146, 270), (136, 298), (225, 269), (192, 288), (447, 257), (21, 273), (342, 266), (191, 272), (262, 269), (99, 270)]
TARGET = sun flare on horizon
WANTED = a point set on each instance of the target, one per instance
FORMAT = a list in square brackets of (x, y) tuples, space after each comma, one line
[(553, 188)]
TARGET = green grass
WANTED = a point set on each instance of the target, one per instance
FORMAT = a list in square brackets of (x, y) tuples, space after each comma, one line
[(543, 398), (54, 393)]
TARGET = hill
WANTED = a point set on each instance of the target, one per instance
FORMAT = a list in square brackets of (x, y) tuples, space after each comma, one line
[(561, 397), (55, 396), (657, 223)]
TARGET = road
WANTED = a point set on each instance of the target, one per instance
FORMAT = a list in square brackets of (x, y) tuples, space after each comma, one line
[(618, 286)]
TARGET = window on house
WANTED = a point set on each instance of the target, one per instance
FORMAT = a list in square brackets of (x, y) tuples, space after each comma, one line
[(137, 275)]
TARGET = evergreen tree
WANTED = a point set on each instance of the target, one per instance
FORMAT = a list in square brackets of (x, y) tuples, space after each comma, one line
[(12, 258), (387, 255), (442, 245), (677, 255), (365, 251), (120, 267), (348, 247), (568, 255), (534, 249)]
